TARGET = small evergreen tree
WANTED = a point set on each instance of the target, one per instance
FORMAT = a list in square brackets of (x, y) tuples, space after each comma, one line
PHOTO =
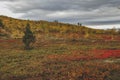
[(79, 24), (1, 24), (118, 31), (28, 37), (56, 21)]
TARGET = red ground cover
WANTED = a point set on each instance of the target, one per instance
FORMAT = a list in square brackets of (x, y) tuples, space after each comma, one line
[(102, 54), (92, 55), (11, 40)]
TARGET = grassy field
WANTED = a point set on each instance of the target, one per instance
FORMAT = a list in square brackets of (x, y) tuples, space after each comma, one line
[(56, 59)]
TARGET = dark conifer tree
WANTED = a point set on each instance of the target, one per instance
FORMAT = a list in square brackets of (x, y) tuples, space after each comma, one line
[(28, 37), (1, 24)]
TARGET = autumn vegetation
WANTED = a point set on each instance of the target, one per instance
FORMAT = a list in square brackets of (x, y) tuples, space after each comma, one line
[(53, 29), (61, 51)]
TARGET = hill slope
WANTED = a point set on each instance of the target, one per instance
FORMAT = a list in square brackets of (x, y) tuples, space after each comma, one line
[(14, 28)]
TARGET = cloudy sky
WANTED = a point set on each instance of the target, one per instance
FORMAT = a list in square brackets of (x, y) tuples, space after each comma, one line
[(92, 13)]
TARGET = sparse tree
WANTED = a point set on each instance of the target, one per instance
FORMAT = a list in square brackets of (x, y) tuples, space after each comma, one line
[(28, 37), (118, 31), (1, 24), (56, 21), (79, 24)]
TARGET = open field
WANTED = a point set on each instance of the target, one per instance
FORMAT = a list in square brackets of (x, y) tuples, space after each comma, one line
[(56, 59)]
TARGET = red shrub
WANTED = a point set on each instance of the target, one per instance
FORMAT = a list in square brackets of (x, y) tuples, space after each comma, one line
[(94, 54)]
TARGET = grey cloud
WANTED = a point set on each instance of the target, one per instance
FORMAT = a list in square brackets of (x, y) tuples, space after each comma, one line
[(60, 5), (73, 11), (8, 0), (103, 22)]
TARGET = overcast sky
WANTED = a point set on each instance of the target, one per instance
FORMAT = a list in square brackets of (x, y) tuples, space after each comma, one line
[(93, 13)]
